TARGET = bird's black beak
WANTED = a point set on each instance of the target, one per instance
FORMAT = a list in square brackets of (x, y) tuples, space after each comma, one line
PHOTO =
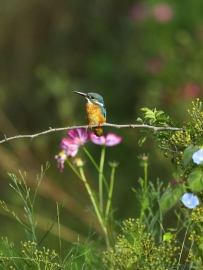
[(80, 93)]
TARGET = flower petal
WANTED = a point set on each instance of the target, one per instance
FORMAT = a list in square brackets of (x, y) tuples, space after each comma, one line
[(97, 140), (61, 157), (112, 139), (190, 200), (69, 147), (72, 133), (79, 135), (198, 156)]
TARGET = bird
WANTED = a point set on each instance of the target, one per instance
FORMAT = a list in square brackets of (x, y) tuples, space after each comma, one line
[(95, 111)]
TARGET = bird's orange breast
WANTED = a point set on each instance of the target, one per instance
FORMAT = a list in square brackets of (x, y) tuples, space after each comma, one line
[(94, 115)]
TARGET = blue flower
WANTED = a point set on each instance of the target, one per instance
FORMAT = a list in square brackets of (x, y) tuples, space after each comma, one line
[(198, 156), (190, 200)]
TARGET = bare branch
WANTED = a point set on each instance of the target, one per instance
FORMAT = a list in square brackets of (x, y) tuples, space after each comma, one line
[(156, 129)]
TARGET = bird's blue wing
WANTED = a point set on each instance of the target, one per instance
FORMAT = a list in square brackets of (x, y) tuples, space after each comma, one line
[(104, 111)]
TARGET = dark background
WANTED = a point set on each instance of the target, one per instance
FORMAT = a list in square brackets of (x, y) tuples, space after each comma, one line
[(134, 53)]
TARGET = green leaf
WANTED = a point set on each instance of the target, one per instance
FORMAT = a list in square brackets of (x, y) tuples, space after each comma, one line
[(153, 221), (162, 118), (172, 229), (142, 140), (195, 180), (139, 120), (149, 115), (151, 121), (167, 236), (159, 113), (145, 109), (189, 151), (200, 246), (169, 198)]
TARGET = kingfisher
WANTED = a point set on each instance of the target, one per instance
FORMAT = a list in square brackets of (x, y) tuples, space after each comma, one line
[(95, 111)]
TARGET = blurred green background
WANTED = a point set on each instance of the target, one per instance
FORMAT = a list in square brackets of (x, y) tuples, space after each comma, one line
[(134, 53)]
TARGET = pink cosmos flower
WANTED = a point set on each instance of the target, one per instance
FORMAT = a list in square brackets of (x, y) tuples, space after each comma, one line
[(69, 147), (79, 135), (111, 139), (61, 157)]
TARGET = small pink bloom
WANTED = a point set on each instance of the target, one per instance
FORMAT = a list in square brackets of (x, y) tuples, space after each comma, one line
[(174, 182), (111, 139), (61, 157), (69, 147), (79, 135), (162, 12), (97, 140)]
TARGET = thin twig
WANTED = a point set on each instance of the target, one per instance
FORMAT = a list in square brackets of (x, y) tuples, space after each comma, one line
[(86, 127)]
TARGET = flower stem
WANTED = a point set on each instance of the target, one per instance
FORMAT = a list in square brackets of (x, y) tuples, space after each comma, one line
[(145, 179), (100, 177), (93, 199), (73, 168), (91, 158), (181, 251), (108, 206), (91, 195), (95, 205), (96, 166), (144, 203)]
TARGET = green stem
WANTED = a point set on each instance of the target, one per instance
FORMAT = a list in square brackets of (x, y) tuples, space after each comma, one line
[(181, 251), (144, 203), (93, 200), (28, 207), (96, 166), (91, 195), (91, 158), (73, 168), (161, 221), (108, 206), (101, 178), (145, 179), (95, 205)]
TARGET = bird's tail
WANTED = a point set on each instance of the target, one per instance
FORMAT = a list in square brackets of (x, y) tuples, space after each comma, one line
[(98, 131)]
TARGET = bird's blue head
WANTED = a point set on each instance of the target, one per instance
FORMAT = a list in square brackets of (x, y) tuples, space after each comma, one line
[(95, 99)]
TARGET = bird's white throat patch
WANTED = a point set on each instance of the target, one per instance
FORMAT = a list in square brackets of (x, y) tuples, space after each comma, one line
[(97, 102)]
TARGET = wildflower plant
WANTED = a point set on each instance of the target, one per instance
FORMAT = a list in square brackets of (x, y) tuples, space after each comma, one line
[(183, 147), (135, 249), (70, 146), (31, 255), (144, 242)]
